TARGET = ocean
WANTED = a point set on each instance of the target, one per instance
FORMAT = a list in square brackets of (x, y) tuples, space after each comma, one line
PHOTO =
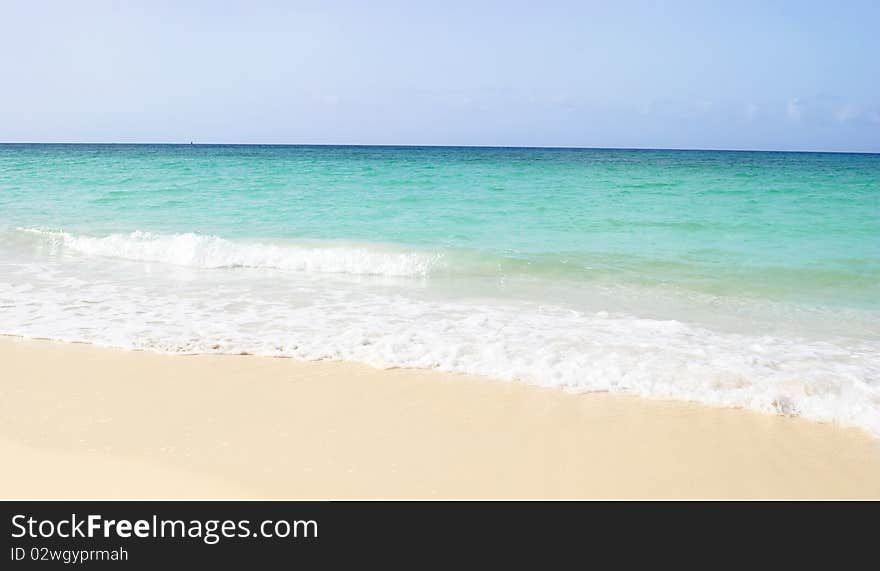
[(748, 279)]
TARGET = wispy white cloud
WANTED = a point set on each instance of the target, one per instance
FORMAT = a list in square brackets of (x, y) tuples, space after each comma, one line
[(795, 108), (847, 112), (751, 111)]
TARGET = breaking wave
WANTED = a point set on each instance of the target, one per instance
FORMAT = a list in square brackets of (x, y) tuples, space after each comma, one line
[(203, 251)]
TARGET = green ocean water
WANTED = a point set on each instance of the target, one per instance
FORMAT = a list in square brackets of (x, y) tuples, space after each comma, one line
[(777, 224), (735, 278)]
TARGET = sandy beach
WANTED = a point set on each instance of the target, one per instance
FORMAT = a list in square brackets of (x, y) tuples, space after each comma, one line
[(79, 421)]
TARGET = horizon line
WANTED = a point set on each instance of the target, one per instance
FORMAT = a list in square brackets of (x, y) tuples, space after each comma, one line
[(440, 146)]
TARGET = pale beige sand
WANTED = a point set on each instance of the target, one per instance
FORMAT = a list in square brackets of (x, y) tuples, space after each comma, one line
[(81, 421)]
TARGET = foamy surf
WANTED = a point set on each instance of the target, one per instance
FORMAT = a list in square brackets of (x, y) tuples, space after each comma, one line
[(121, 303)]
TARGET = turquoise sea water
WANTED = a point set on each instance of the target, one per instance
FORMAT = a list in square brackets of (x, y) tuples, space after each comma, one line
[(740, 278)]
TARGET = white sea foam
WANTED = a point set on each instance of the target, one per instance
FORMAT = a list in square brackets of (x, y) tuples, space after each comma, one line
[(181, 309), (200, 251)]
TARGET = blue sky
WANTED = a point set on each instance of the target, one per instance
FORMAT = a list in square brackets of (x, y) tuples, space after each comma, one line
[(798, 75)]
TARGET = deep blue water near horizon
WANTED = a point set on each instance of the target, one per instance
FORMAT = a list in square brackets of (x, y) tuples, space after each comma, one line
[(746, 278)]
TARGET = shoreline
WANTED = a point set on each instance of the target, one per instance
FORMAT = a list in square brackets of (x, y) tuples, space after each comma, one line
[(132, 424)]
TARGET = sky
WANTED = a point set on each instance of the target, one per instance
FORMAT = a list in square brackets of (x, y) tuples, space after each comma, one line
[(798, 75)]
